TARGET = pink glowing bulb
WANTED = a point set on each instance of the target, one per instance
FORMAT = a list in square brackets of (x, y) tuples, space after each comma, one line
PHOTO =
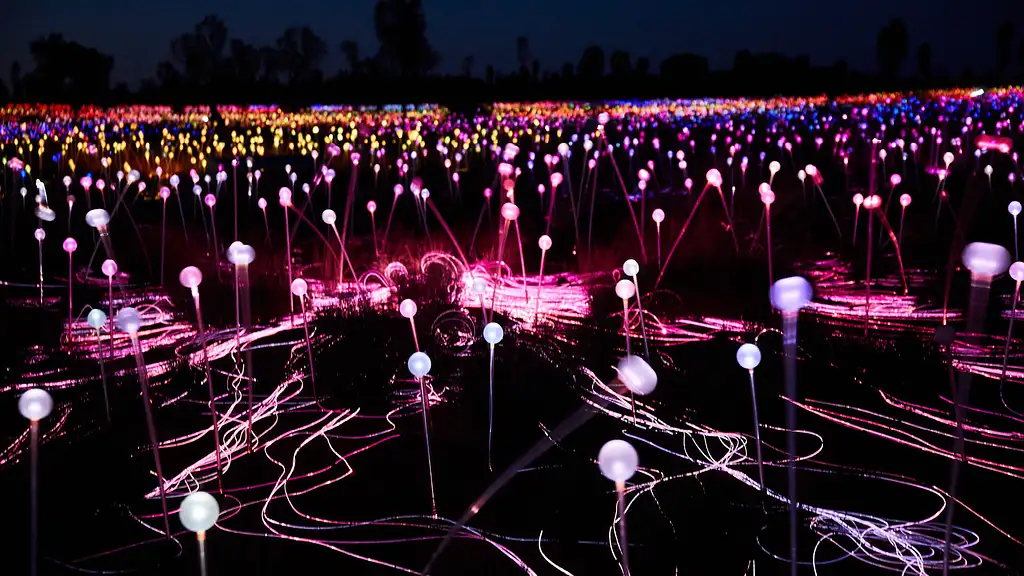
[(591, 164), (407, 308), (714, 178), (505, 169), (811, 170), (71, 199), (210, 200), (165, 193), (858, 199), (109, 268), (86, 182), (658, 215), (688, 183), (190, 277), (488, 193), (39, 234), (643, 175), (556, 179), (895, 180), (398, 189), (262, 203), (284, 197), (905, 200), (768, 197), (371, 206), (455, 177), (942, 174), (642, 185), (764, 187), (540, 188), (70, 245), (100, 185), (299, 287), (510, 211), (544, 242), (873, 201)]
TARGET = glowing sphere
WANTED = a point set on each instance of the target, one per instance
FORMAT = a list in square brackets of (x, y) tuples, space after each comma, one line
[(658, 215), (97, 217), (948, 158), (262, 203), (768, 198), (197, 190), (617, 460), (109, 267), (329, 217), (801, 175), (479, 285), (1014, 208), (625, 289), (905, 200), (1017, 271), (86, 182), (811, 170), (509, 211), (563, 148), (419, 364), (190, 277), (134, 176), (128, 320), (241, 254), (637, 375), (493, 333), (631, 267), (70, 245), (39, 234), (199, 512), (210, 200), (764, 187), (165, 192), (774, 167), (35, 404), (748, 356), (407, 308), (67, 181), (299, 287), (873, 201), (96, 318), (895, 180), (175, 180), (984, 259), (544, 242), (791, 294), (556, 179), (714, 178), (988, 170), (284, 197), (398, 189), (371, 206)]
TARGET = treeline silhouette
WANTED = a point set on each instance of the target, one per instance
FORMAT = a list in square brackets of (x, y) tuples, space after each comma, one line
[(207, 66)]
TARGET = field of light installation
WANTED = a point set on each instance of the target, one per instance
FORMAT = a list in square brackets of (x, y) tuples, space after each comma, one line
[(552, 338)]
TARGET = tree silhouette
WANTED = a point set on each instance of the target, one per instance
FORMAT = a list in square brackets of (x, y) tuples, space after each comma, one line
[(246, 63), (523, 55), (591, 64), (301, 51), (17, 88), (67, 71), (467, 66), (1004, 47), (401, 28), (891, 48), (924, 60), (199, 55), (643, 66), (350, 50), (621, 64)]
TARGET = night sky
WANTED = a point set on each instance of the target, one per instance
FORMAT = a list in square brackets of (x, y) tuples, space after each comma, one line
[(138, 34)]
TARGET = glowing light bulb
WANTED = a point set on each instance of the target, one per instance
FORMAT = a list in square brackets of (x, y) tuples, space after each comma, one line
[(748, 356), (128, 320), (493, 333), (905, 200), (109, 268), (791, 294), (407, 308), (985, 259), (631, 267), (510, 211), (329, 217), (299, 287), (199, 512), (419, 364), (70, 245), (190, 277), (625, 289), (97, 318), (544, 242), (35, 404), (658, 215), (617, 460)]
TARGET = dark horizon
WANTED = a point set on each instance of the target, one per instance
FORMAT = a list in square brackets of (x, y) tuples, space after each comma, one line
[(138, 36)]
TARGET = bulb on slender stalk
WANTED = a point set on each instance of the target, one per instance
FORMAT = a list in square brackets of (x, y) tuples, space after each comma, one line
[(748, 357), (34, 405), (493, 334), (658, 216), (242, 255), (618, 462), (773, 168), (858, 200), (1017, 273), (408, 310), (262, 204), (789, 296), (70, 245), (211, 201), (631, 268), (300, 289), (544, 242), (1014, 208), (330, 218), (165, 193), (905, 201), (199, 512), (190, 277), (768, 198), (985, 261), (96, 320), (626, 290), (129, 322), (371, 207), (98, 219), (40, 235), (284, 197), (419, 367)]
